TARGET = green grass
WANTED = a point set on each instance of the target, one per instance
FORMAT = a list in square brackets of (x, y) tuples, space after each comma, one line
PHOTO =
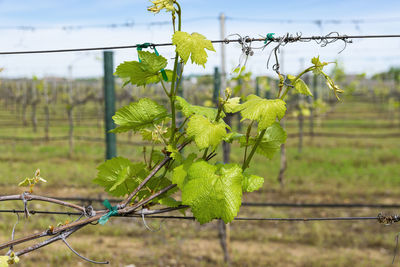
[(327, 170)]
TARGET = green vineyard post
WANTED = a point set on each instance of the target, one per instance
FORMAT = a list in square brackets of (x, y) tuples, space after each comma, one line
[(268, 89), (109, 105), (257, 86), (217, 85)]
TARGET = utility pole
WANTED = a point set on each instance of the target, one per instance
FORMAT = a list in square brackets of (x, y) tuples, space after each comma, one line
[(109, 98)]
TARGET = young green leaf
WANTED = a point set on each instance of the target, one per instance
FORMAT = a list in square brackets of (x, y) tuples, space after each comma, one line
[(139, 115), (232, 136), (232, 105), (144, 72), (189, 109), (170, 202), (151, 136), (251, 182), (213, 191), (31, 182), (205, 132), (4, 261), (174, 153), (264, 111), (192, 45), (158, 5), (179, 174), (154, 185), (273, 138), (300, 86), (318, 65), (119, 176)]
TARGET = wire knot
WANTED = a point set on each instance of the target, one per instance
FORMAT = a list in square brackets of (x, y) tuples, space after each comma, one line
[(25, 201), (89, 211), (388, 219)]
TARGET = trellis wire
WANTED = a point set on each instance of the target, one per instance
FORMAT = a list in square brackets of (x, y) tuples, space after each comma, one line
[(226, 41), (264, 204), (99, 139), (193, 218)]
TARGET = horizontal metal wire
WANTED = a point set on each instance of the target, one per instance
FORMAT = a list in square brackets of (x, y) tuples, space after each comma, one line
[(226, 41), (263, 204), (193, 218)]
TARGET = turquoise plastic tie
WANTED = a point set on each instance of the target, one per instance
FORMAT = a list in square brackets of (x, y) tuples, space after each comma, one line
[(139, 47), (270, 37), (113, 211)]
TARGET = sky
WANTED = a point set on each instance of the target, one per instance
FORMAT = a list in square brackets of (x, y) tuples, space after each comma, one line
[(48, 24)]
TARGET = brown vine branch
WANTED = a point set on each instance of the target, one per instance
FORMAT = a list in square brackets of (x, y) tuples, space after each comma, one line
[(157, 168), (48, 241), (84, 222), (29, 197)]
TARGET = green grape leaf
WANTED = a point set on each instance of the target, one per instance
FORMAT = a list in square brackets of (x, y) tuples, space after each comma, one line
[(318, 65), (175, 154), (154, 135), (189, 109), (251, 182), (192, 45), (152, 62), (213, 191), (157, 156), (119, 176), (264, 111), (300, 86), (27, 181), (273, 138), (139, 115), (230, 137), (170, 202), (179, 173), (154, 185), (232, 105), (144, 72), (9, 260), (158, 5), (148, 135), (4, 261), (205, 132)]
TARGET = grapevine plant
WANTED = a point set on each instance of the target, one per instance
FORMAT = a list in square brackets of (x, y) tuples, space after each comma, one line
[(194, 179), (212, 190)]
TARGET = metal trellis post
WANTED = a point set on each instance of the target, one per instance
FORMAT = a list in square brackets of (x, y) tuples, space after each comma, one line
[(109, 105)]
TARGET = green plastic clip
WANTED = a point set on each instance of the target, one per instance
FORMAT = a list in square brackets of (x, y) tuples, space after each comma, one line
[(270, 37), (113, 211), (139, 47)]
